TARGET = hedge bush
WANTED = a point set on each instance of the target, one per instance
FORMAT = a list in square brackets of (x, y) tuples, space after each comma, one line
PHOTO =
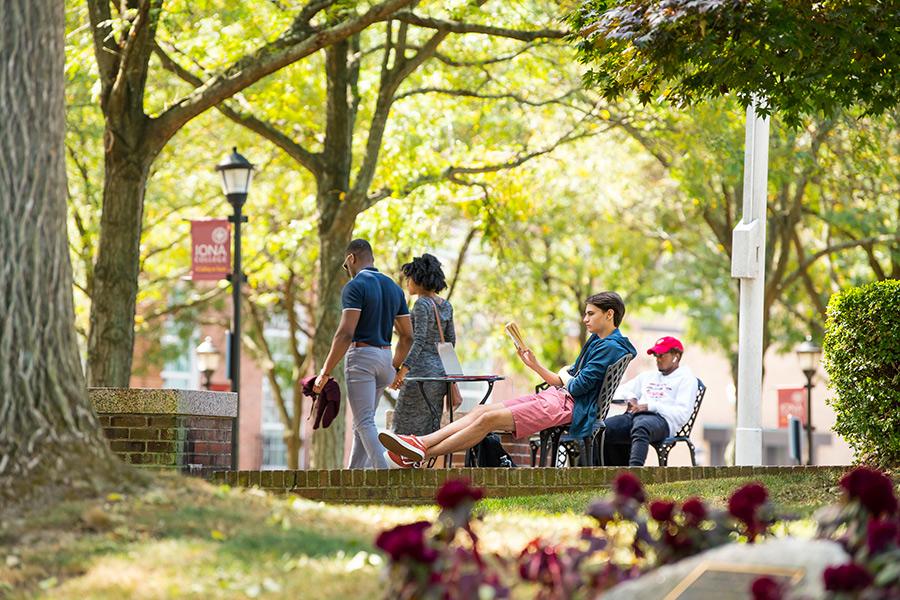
[(862, 358)]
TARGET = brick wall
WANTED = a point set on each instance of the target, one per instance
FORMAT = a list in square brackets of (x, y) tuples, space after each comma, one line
[(189, 430), (417, 486), (192, 444)]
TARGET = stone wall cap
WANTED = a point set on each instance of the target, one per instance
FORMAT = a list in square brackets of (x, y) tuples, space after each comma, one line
[(163, 401)]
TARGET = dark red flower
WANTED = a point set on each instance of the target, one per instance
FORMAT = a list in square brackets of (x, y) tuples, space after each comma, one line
[(745, 501), (407, 541), (627, 485), (766, 588), (456, 491), (540, 562), (881, 534), (744, 505), (872, 488), (661, 510), (846, 578), (694, 510)]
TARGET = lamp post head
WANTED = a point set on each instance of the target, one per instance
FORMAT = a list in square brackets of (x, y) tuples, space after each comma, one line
[(808, 353), (207, 357), (236, 172)]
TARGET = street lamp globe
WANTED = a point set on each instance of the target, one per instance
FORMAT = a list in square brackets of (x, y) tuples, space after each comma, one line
[(236, 172), (207, 360), (808, 353)]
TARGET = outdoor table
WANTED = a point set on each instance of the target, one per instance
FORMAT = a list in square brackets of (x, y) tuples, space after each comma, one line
[(449, 380)]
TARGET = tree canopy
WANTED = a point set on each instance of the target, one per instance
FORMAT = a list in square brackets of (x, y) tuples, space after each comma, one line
[(797, 58)]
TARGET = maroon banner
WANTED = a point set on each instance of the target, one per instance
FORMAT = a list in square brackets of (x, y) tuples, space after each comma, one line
[(791, 402), (210, 249)]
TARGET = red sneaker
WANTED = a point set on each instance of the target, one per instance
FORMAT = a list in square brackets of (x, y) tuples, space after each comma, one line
[(398, 462), (407, 446)]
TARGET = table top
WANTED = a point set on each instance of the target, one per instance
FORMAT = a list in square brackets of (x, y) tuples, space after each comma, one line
[(459, 378)]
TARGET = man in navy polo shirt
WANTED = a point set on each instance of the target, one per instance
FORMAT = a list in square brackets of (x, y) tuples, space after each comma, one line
[(372, 305)]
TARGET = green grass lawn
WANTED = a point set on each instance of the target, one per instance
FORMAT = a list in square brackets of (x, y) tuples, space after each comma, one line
[(184, 538), (797, 494)]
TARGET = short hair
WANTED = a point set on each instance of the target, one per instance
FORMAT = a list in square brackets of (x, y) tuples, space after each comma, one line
[(426, 272), (361, 249), (609, 301)]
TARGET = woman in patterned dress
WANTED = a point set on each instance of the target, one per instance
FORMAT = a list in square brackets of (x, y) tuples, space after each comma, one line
[(424, 278)]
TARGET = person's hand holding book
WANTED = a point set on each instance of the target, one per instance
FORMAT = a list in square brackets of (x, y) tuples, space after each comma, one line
[(528, 357)]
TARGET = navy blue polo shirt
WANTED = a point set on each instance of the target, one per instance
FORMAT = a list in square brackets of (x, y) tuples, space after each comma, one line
[(379, 301)]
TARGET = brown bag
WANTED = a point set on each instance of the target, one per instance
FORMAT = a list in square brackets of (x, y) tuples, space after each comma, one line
[(455, 395)]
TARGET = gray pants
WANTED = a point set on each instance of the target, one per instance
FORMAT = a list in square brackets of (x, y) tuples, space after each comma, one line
[(368, 371)]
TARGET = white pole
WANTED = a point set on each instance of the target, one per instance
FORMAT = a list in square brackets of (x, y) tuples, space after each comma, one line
[(748, 264)]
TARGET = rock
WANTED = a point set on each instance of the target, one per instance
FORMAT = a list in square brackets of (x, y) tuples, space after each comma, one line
[(810, 556)]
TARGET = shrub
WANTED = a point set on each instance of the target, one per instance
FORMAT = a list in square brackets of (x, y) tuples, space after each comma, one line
[(442, 561), (862, 358)]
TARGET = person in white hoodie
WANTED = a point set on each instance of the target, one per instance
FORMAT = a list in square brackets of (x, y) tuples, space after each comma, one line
[(659, 403)]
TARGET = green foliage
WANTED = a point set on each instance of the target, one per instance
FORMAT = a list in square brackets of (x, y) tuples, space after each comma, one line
[(796, 58), (862, 357), (832, 214)]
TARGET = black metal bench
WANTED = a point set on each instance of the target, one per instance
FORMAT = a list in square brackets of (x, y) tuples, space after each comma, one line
[(553, 438), (684, 434)]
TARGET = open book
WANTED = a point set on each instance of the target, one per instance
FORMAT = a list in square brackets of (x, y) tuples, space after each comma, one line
[(512, 329)]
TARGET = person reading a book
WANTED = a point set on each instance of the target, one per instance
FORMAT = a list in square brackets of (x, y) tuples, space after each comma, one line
[(432, 322), (570, 399), (659, 403)]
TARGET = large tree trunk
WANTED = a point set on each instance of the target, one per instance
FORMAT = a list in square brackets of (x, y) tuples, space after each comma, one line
[(111, 341), (337, 216), (49, 436)]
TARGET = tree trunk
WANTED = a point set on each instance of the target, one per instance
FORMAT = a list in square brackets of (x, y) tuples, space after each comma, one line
[(292, 442), (51, 444), (337, 216), (111, 338)]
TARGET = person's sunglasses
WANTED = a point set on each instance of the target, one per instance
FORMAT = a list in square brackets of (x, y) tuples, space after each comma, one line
[(345, 267)]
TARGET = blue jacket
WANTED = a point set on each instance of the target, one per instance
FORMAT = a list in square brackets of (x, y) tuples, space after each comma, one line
[(587, 376)]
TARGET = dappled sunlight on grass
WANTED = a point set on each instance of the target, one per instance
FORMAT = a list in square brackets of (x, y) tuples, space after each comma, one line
[(182, 569), (184, 538)]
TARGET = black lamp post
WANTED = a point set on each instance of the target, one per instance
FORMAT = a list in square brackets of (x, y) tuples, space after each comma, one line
[(236, 175), (809, 353), (207, 360)]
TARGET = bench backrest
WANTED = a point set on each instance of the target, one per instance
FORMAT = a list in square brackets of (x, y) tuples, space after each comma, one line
[(611, 381), (685, 430)]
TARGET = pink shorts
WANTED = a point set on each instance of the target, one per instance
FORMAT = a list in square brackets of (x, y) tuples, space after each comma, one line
[(536, 412)]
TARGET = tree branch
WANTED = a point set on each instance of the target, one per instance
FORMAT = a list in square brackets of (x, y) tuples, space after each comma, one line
[(390, 81), (105, 48), (298, 42), (177, 308), (450, 62), (269, 366), (887, 238), (461, 27), (311, 161), (460, 258), (470, 94)]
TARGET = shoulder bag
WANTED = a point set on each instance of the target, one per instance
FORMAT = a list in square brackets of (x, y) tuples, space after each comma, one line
[(455, 395)]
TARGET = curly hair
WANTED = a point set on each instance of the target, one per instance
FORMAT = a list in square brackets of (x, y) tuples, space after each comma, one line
[(426, 272)]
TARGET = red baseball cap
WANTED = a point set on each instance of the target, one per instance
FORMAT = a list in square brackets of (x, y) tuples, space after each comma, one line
[(664, 344)]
